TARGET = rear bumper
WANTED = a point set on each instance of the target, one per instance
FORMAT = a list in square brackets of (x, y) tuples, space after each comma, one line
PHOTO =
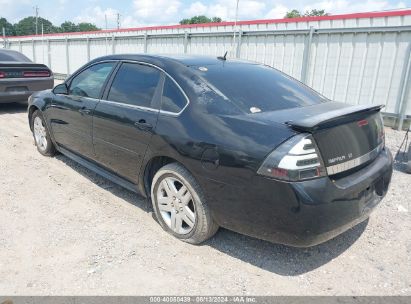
[(19, 90), (300, 214)]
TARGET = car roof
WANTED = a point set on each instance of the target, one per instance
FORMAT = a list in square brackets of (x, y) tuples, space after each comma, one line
[(11, 55), (164, 60)]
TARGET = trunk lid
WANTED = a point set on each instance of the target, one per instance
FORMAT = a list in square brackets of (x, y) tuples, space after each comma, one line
[(347, 136)]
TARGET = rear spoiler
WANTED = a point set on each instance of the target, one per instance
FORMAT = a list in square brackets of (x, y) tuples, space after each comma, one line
[(332, 118), (12, 64)]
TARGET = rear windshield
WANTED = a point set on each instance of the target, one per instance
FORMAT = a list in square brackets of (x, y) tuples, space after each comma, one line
[(11, 56), (257, 88)]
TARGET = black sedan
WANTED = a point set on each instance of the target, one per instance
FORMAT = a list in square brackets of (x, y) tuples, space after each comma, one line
[(215, 142), (20, 77)]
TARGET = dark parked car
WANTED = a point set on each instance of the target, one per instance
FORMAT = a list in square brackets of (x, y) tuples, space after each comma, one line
[(20, 77), (216, 142)]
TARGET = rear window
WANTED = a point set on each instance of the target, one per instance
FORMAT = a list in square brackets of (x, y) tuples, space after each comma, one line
[(12, 56), (256, 88), (173, 99)]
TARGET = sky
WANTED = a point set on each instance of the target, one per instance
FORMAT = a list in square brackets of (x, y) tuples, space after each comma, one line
[(136, 13)]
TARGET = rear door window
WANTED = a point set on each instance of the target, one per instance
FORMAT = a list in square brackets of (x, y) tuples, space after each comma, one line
[(90, 82), (173, 99), (135, 84)]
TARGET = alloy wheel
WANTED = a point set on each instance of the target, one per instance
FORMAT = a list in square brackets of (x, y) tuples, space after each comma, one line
[(176, 205), (40, 133)]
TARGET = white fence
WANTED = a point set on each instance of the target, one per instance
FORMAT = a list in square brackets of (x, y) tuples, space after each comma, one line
[(357, 58)]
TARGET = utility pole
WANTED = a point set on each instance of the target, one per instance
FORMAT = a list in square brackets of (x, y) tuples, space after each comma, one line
[(4, 37), (118, 20), (36, 9), (42, 39), (235, 26)]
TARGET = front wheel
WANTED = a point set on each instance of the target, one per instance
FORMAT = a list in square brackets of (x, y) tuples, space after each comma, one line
[(41, 135), (180, 205)]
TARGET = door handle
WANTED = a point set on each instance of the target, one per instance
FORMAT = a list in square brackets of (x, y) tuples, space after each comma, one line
[(84, 111), (143, 125)]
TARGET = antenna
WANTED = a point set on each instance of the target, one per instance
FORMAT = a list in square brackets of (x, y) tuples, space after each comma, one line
[(223, 57)]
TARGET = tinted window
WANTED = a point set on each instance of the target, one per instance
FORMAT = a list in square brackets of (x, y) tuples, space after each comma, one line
[(257, 88), (90, 82), (173, 99), (134, 84)]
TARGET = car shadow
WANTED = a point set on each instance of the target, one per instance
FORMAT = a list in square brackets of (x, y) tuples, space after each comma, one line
[(281, 259), (276, 258), (125, 194), (12, 108)]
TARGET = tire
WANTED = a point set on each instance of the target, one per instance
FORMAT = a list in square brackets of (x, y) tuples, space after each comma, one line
[(187, 202), (41, 135)]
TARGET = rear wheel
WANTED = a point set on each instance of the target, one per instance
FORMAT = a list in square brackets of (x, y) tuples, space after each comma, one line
[(41, 135), (180, 205)]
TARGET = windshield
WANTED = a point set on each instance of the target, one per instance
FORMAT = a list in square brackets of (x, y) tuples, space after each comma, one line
[(257, 88)]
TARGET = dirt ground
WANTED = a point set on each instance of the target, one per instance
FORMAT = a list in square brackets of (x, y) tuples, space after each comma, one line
[(66, 231)]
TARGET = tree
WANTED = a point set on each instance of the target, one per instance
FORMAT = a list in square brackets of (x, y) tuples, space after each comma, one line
[(315, 12), (27, 26), (9, 28), (295, 13), (200, 19), (87, 27), (67, 27)]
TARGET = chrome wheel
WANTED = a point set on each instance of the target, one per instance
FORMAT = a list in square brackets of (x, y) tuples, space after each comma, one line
[(40, 133), (176, 205)]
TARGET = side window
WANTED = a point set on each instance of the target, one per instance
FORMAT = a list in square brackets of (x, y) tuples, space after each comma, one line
[(89, 83), (134, 84), (173, 99)]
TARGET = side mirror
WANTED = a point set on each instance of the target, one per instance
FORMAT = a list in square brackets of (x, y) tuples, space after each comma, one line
[(61, 89)]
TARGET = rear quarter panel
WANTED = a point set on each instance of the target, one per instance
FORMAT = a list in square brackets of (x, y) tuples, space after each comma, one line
[(229, 149)]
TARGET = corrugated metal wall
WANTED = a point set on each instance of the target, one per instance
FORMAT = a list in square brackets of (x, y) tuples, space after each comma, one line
[(363, 59)]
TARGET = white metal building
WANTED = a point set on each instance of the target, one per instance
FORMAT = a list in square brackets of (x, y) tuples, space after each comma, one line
[(353, 58)]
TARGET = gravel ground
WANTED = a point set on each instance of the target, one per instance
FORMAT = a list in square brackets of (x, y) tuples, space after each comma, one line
[(66, 231)]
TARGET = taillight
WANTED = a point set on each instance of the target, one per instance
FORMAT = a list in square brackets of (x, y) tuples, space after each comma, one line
[(2, 74), (36, 74), (294, 160)]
